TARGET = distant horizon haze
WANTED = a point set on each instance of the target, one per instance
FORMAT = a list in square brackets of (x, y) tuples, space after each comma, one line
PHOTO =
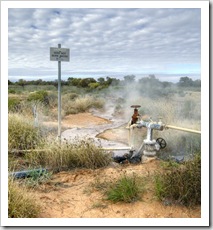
[(174, 78)]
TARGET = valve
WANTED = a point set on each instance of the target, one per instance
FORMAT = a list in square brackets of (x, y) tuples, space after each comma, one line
[(135, 115), (135, 106), (161, 142)]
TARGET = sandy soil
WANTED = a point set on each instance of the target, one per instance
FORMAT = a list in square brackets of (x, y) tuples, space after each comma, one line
[(79, 120), (73, 194)]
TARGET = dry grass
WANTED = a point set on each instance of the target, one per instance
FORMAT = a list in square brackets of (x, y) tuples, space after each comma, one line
[(22, 134), (82, 104), (127, 189), (21, 204), (180, 184), (64, 156), (172, 110)]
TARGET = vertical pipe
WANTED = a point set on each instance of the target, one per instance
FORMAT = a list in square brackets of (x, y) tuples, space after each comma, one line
[(131, 138), (149, 134), (59, 98)]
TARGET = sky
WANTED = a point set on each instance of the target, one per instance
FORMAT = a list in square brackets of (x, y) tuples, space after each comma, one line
[(105, 42)]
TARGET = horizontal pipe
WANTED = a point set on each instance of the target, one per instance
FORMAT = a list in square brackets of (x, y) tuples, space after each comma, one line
[(27, 173), (116, 148), (182, 129), (42, 150)]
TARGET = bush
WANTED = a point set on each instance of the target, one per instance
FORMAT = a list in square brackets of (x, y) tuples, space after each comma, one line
[(37, 177), (20, 203), (12, 91), (14, 104), (126, 189), (21, 133), (94, 85), (41, 96), (82, 104), (53, 100), (181, 184), (80, 154)]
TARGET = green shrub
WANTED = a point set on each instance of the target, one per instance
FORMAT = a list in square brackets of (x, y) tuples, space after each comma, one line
[(181, 184), (94, 85), (21, 133), (126, 189), (80, 154), (20, 203), (14, 104), (12, 91), (41, 96), (36, 178)]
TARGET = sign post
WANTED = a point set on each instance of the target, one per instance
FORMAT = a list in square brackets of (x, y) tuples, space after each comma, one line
[(59, 54)]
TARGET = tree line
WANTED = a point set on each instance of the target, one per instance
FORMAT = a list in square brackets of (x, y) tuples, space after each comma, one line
[(102, 82)]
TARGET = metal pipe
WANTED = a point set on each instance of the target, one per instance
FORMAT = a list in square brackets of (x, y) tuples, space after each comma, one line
[(182, 129), (117, 148), (27, 173), (149, 134), (59, 98), (42, 150)]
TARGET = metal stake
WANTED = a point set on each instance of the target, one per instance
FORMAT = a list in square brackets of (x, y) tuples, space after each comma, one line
[(59, 98)]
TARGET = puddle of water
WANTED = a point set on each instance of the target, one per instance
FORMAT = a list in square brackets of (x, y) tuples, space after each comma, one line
[(93, 130)]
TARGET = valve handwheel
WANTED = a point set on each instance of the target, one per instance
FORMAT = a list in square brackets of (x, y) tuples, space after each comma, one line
[(161, 142), (135, 106)]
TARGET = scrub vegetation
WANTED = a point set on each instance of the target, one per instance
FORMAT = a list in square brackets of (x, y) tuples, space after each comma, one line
[(22, 134), (176, 103), (127, 189), (21, 203), (64, 156), (180, 183), (82, 104)]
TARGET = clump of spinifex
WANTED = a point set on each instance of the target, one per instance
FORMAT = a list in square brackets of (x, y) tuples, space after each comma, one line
[(22, 134), (21, 204), (67, 156), (180, 184)]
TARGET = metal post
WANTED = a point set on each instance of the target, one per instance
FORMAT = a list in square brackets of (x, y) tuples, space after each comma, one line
[(59, 98), (59, 55)]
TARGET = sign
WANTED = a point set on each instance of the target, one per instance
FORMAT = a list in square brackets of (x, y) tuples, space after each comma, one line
[(59, 54)]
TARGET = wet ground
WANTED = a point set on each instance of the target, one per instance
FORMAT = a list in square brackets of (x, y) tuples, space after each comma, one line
[(104, 128)]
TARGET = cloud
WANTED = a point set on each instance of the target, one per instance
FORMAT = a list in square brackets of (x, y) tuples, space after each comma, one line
[(133, 40)]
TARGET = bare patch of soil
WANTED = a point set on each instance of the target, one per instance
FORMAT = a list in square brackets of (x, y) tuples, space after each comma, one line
[(83, 120), (73, 195), (79, 120)]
